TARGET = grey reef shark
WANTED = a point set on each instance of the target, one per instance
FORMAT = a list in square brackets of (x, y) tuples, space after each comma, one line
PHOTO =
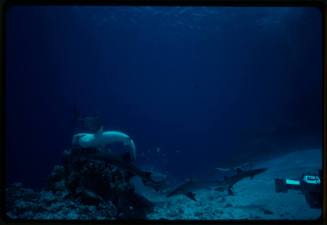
[(191, 185)]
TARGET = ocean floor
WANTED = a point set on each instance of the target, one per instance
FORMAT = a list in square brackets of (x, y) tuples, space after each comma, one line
[(253, 198)]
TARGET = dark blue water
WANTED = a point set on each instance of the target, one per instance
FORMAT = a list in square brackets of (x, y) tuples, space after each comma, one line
[(195, 88)]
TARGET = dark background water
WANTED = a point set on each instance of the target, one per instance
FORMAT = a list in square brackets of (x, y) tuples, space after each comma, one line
[(195, 88)]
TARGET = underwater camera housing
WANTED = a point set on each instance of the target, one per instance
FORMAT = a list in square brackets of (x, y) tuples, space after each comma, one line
[(309, 184)]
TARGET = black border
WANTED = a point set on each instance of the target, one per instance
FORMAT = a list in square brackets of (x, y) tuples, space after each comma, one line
[(320, 4), (232, 3)]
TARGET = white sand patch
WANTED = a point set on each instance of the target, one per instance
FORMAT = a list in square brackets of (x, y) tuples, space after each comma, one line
[(254, 198)]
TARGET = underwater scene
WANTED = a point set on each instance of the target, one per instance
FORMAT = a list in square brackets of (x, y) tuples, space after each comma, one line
[(163, 113)]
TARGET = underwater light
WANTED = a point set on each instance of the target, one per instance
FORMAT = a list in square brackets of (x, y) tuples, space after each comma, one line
[(308, 184), (292, 182), (311, 179)]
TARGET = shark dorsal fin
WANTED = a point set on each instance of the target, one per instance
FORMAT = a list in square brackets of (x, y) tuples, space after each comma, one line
[(99, 132)]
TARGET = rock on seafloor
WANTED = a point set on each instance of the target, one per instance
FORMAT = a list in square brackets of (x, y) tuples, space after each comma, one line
[(80, 189), (92, 190), (23, 203)]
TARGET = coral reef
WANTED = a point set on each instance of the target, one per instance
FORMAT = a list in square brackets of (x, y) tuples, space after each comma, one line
[(80, 189), (23, 203)]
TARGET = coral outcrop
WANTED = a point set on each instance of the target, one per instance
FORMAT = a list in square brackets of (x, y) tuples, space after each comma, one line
[(80, 189)]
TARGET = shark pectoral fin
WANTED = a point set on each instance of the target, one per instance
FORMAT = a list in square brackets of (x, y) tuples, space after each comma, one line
[(190, 195)]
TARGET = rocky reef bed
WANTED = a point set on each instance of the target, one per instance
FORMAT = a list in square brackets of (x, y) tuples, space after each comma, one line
[(83, 189), (80, 189), (24, 203)]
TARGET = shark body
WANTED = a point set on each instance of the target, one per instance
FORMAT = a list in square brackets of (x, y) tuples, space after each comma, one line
[(188, 187), (229, 182), (102, 138)]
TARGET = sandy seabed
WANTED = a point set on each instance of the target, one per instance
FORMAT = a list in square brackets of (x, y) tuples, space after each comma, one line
[(253, 199)]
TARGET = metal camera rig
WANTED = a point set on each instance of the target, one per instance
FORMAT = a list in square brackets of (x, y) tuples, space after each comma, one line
[(310, 184)]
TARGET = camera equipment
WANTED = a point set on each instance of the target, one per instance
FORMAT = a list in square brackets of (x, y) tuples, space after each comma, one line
[(309, 184)]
